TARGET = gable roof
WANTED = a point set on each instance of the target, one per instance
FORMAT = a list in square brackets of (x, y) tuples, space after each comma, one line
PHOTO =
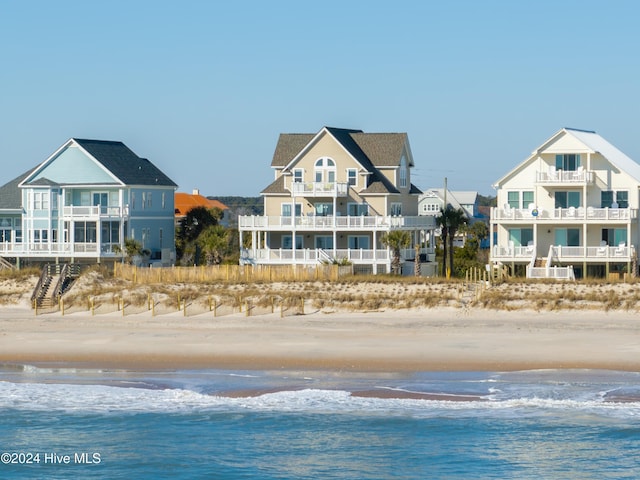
[(124, 164), (592, 142), (116, 158)]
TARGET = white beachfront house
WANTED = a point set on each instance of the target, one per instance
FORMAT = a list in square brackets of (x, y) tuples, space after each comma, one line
[(82, 202), (335, 194), (571, 208)]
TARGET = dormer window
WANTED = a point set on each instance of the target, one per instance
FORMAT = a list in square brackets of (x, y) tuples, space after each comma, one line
[(325, 170)]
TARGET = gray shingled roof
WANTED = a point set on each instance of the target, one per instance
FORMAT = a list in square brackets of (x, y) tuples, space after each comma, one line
[(289, 145), (124, 164), (382, 149), (276, 187), (11, 195)]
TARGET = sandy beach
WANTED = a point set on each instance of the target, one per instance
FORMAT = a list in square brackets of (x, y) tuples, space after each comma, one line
[(443, 339)]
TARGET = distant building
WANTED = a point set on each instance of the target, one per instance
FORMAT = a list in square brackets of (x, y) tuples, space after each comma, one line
[(186, 201)]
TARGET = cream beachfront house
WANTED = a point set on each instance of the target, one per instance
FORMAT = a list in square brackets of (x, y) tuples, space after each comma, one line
[(570, 209), (82, 202), (335, 194)]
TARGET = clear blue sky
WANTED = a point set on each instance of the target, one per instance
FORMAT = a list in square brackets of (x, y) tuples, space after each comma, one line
[(204, 88)]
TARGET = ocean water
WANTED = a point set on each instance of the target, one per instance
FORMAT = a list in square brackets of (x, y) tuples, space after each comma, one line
[(62, 423)]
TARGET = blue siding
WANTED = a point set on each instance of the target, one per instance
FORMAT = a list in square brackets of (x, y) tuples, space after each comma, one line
[(74, 166)]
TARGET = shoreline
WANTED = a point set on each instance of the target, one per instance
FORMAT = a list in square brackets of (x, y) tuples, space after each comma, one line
[(437, 339)]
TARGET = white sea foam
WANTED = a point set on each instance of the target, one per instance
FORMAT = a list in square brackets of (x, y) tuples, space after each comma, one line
[(105, 399)]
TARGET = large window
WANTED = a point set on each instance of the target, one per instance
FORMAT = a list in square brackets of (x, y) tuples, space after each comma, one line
[(84, 232), (324, 209), (324, 241), (359, 242), (567, 161), (357, 209), (567, 237), (286, 242), (614, 236), (521, 236), (611, 199), (396, 209), (567, 199), (325, 170), (286, 209), (520, 199), (110, 232)]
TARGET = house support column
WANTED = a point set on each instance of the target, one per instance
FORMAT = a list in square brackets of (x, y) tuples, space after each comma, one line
[(375, 253)]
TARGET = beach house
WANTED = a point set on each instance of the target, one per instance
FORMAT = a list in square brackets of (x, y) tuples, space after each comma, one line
[(570, 209), (82, 202), (335, 193)]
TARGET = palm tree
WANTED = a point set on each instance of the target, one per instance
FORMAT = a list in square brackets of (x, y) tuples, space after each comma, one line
[(450, 220), (396, 240), (213, 241)]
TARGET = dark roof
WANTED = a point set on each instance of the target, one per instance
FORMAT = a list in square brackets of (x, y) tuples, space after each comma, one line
[(11, 195), (415, 190), (124, 164), (383, 149)]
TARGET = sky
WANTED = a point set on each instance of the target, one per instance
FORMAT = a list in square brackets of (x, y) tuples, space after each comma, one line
[(204, 88)]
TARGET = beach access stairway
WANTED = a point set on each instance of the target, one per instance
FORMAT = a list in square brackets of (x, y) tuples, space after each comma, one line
[(54, 281), (6, 265)]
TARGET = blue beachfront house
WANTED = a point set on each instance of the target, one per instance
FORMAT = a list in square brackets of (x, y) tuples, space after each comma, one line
[(82, 202)]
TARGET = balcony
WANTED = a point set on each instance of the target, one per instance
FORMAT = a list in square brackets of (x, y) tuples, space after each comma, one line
[(311, 256), (562, 254), (94, 212), (319, 189), (337, 222), (52, 249), (563, 215), (565, 177)]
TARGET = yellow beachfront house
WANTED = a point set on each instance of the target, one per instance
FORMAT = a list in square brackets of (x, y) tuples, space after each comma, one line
[(569, 210), (335, 193)]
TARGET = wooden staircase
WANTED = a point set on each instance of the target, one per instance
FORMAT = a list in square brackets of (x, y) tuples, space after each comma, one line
[(55, 280), (540, 262)]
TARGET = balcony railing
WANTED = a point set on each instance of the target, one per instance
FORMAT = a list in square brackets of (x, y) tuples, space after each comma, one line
[(319, 189), (579, 176), (314, 256), (604, 253), (94, 211), (57, 249), (312, 222), (589, 214)]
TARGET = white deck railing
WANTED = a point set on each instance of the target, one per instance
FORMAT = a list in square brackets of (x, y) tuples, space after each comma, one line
[(559, 273), (313, 222), (94, 211), (566, 176), (561, 253), (57, 249), (589, 214), (319, 189), (313, 256)]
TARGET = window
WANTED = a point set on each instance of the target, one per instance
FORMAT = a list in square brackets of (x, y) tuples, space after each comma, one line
[(323, 209), (324, 241), (607, 199), (286, 242), (160, 238), (614, 236), (567, 199), (100, 198), (286, 209), (622, 198), (357, 209), (41, 200), (163, 200), (149, 199), (133, 202), (84, 232), (403, 172), (85, 199), (325, 170), (144, 200), (521, 236), (352, 177), (40, 236), (527, 199), (396, 209), (567, 161), (513, 199), (110, 232), (358, 242), (567, 237), (297, 175)]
